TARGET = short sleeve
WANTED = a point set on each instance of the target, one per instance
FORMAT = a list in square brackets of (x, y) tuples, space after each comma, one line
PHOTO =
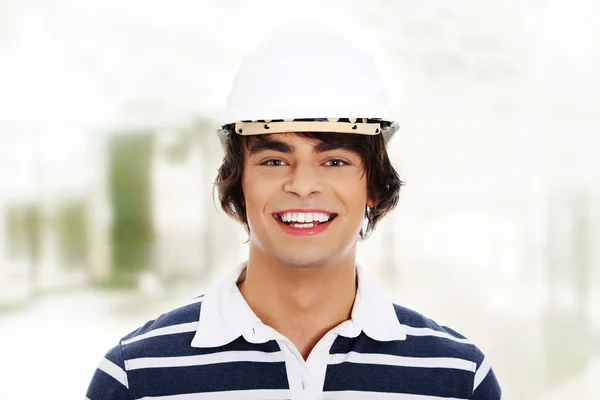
[(110, 378)]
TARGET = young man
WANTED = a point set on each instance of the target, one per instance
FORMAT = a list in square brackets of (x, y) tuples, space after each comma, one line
[(305, 167)]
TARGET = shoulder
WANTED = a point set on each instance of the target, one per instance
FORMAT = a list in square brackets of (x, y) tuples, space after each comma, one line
[(439, 340), (418, 321), (169, 330), (427, 338), (167, 335)]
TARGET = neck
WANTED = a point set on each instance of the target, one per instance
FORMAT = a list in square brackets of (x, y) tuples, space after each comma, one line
[(300, 302)]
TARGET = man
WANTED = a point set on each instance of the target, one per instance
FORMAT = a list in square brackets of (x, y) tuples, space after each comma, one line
[(307, 174)]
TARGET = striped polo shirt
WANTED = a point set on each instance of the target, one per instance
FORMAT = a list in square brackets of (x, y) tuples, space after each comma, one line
[(216, 348)]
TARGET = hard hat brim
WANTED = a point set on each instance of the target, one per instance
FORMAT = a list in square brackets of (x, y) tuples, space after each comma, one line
[(260, 128), (360, 126)]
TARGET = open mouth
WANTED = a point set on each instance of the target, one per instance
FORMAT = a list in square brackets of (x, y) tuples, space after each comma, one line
[(300, 220)]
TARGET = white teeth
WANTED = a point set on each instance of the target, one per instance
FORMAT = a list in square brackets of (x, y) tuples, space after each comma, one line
[(303, 225), (321, 217), (304, 217)]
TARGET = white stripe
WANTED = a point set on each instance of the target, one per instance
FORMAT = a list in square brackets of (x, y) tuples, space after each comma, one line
[(204, 359), (481, 373), (113, 370), (431, 332), (420, 362), (167, 330), (262, 394), (355, 395)]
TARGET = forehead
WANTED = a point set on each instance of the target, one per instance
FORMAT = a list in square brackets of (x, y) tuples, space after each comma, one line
[(322, 140)]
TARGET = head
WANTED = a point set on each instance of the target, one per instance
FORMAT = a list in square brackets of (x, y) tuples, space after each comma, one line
[(347, 176)]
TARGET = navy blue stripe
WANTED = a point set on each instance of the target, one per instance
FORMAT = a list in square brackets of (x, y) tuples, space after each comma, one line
[(114, 355), (179, 345), (104, 386), (441, 382), (413, 346), (182, 315), (453, 332), (414, 319), (208, 378)]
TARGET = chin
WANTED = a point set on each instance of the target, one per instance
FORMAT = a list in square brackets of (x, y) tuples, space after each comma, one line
[(303, 261)]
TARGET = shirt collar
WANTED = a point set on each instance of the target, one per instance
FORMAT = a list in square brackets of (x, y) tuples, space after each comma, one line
[(225, 315), (373, 313)]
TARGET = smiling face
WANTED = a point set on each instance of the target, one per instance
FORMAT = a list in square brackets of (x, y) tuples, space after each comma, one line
[(305, 199)]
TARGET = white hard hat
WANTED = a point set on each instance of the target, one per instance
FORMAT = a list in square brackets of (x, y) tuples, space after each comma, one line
[(307, 80)]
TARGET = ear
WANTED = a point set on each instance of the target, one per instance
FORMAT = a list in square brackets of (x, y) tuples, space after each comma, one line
[(370, 202)]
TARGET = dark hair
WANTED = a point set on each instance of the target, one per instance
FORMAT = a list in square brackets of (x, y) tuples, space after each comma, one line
[(383, 182)]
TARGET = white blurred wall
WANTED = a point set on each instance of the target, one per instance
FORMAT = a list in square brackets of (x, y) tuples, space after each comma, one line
[(498, 108)]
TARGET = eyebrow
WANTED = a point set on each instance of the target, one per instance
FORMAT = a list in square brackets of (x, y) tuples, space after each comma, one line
[(282, 147), (270, 144)]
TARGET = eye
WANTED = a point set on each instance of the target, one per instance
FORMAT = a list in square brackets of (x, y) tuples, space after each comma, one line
[(336, 163), (273, 163)]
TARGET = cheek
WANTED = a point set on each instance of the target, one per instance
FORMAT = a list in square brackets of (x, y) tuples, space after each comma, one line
[(352, 191), (256, 191)]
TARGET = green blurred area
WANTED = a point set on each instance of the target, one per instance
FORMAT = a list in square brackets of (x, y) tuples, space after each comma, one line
[(129, 181)]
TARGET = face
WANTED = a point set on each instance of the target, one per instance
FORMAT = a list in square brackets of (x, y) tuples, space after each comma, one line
[(305, 200)]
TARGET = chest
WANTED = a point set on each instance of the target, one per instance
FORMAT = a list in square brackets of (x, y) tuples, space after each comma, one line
[(337, 368)]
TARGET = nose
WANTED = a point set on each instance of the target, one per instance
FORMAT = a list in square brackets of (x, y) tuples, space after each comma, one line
[(303, 181)]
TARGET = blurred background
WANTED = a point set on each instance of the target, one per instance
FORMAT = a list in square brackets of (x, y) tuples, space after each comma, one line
[(108, 153)]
